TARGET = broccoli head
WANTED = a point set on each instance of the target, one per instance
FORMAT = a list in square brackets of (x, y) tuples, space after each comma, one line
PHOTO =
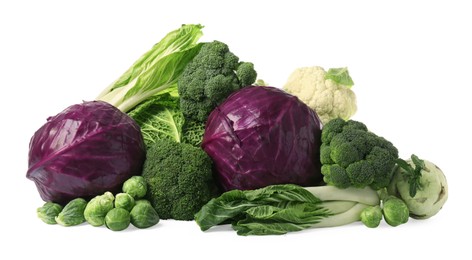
[(212, 75), (179, 179), (352, 156)]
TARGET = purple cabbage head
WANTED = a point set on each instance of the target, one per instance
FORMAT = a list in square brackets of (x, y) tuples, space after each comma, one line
[(261, 136), (83, 151)]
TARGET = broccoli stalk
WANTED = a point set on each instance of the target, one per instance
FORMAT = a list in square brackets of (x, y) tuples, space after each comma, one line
[(278, 209)]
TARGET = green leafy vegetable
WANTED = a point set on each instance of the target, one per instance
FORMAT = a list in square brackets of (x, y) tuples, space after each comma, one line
[(193, 132), (157, 71), (278, 209), (413, 174), (159, 118), (340, 76)]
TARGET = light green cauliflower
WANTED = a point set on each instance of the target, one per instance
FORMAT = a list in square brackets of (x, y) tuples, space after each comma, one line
[(328, 93)]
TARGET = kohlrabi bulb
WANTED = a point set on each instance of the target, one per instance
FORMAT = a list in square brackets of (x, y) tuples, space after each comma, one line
[(431, 194)]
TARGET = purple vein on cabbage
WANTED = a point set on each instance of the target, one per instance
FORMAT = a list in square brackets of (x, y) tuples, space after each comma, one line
[(157, 71)]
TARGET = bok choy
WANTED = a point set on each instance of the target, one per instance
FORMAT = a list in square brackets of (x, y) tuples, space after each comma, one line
[(278, 209)]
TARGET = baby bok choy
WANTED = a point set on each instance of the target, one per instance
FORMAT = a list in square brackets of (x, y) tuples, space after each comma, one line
[(278, 209)]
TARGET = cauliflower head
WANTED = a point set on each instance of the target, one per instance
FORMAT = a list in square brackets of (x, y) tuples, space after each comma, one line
[(328, 93)]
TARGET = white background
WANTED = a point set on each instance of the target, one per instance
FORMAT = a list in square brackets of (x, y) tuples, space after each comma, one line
[(410, 61)]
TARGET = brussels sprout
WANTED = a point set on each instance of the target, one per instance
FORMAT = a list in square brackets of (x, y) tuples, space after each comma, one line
[(395, 211), (48, 212), (98, 208), (371, 216), (117, 219), (124, 200), (143, 215), (73, 213), (135, 186)]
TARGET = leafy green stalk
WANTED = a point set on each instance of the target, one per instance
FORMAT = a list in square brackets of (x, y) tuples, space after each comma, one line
[(279, 209), (413, 174), (156, 71)]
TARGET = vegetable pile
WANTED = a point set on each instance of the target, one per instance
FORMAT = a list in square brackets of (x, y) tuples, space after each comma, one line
[(189, 133)]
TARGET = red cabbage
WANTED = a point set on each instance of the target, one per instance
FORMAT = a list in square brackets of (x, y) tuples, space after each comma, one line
[(261, 136), (83, 151)]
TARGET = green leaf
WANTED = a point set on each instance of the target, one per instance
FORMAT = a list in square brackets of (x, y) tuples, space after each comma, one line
[(156, 71), (419, 164), (192, 132), (177, 40), (340, 76), (159, 118), (237, 204), (250, 227), (270, 220), (412, 174), (404, 165)]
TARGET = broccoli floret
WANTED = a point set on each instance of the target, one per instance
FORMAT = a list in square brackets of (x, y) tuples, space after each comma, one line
[(352, 156), (179, 179), (210, 77)]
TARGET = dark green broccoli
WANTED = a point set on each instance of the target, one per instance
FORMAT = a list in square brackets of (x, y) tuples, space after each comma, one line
[(353, 156), (212, 75), (179, 179)]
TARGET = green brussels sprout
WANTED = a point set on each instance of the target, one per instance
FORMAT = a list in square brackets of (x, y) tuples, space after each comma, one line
[(97, 209), (117, 219), (48, 212), (395, 211), (143, 215), (73, 213), (124, 200), (371, 216), (135, 186)]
